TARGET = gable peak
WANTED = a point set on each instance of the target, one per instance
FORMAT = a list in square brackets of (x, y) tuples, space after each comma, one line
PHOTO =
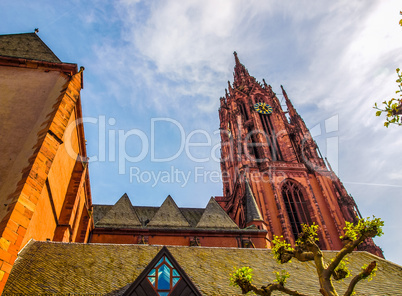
[(121, 214), (169, 214), (215, 217)]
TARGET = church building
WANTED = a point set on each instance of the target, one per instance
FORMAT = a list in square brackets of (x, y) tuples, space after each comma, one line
[(44, 183), (268, 156), (53, 240)]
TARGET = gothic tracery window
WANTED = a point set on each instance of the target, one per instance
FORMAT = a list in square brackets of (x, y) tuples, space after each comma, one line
[(296, 206), (243, 110), (271, 137)]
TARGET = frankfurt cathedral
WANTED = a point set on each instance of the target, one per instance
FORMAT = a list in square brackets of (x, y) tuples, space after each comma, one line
[(55, 240)]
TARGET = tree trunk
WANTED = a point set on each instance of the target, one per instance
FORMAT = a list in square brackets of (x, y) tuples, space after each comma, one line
[(327, 288)]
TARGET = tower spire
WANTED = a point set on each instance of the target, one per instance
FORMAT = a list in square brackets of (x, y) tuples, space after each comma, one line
[(292, 111), (301, 191), (241, 75)]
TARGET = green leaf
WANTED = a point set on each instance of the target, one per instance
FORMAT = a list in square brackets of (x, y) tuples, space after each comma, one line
[(378, 113)]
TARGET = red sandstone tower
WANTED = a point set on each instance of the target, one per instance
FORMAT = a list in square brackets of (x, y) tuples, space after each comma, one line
[(274, 175)]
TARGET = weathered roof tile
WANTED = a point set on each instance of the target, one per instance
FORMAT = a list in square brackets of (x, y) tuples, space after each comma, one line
[(168, 215), (28, 46), (215, 217), (252, 211), (47, 267), (120, 215)]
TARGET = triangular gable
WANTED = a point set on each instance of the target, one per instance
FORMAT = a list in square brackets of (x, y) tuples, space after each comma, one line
[(252, 211), (215, 217), (120, 215), (161, 277), (28, 46), (168, 215)]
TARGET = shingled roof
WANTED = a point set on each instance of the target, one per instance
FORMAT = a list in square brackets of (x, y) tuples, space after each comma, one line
[(28, 46), (168, 215), (214, 215), (252, 211), (48, 267), (121, 214)]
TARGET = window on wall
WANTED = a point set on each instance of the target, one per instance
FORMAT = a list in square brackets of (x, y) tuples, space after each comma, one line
[(296, 206), (163, 277), (243, 110), (271, 137)]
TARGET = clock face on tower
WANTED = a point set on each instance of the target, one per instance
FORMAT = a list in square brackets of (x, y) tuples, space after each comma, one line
[(263, 108)]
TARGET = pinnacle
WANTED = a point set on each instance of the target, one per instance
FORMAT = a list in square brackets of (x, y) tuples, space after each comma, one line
[(236, 58), (240, 72)]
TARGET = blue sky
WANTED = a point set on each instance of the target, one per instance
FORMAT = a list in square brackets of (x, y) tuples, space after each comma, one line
[(169, 61)]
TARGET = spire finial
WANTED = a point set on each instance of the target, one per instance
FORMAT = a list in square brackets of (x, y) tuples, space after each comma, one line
[(240, 72), (236, 58), (36, 30)]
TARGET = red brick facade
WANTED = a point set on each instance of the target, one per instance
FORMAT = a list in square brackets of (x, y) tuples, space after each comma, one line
[(171, 225), (273, 151)]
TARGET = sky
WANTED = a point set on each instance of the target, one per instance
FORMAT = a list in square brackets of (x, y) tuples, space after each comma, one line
[(155, 70)]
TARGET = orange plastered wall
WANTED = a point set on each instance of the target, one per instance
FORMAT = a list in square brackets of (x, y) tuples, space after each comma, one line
[(62, 168), (42, 223)]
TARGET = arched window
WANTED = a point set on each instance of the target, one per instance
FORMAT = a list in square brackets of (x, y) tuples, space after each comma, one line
[(296, 206), (243, 110), (269, 130)]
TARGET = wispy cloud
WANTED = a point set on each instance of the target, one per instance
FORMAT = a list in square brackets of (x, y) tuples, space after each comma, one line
[(174, 58)]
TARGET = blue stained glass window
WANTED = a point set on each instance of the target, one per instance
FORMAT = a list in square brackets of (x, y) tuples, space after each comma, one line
[(152, 280), (167, 260), (163, 277), (160, 261)]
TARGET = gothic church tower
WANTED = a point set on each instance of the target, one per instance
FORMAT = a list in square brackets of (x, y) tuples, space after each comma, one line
[(274, 175)]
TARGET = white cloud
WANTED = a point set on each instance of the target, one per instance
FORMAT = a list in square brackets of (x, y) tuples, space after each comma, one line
[(334, 58)]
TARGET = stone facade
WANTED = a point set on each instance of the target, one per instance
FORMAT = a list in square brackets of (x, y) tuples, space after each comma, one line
[(268, 153)]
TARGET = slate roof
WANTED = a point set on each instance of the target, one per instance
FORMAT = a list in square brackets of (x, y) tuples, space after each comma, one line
[(49, 267), (252, 211), (214, 215), (168, 215), (28, 46), (120, 215)]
